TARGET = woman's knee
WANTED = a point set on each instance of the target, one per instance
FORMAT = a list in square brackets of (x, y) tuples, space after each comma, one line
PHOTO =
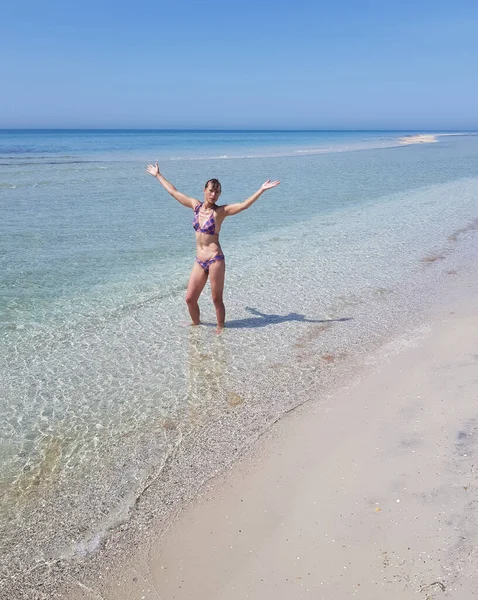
[(217, 300), (191, 299)]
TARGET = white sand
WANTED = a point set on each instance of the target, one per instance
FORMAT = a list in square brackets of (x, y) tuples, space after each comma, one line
[(422, 138), (370, 495)]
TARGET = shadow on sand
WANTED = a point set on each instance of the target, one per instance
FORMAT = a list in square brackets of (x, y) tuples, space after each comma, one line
[(262, 319)]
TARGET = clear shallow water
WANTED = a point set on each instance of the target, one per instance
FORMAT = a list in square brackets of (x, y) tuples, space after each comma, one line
[(101, 380)]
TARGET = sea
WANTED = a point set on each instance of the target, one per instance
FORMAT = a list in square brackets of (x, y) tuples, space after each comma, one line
[(108, 395)]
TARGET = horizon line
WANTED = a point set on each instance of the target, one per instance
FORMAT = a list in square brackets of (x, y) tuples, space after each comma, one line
[(211, 129)]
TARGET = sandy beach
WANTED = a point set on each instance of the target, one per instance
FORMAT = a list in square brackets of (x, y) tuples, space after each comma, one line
[(422, 138), (369, 494)]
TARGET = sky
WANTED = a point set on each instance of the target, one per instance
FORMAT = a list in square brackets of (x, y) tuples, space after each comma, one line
[(240, 64)]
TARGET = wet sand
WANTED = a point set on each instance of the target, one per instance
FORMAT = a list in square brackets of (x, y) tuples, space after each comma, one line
[(370, 494)]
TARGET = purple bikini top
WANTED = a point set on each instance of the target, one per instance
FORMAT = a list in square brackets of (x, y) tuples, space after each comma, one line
[(209, 226)]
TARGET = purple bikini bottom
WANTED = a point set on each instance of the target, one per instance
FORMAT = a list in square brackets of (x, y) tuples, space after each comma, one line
[(205, 264)]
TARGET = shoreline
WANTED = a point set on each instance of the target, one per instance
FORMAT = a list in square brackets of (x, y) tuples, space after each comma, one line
[(377, 458)]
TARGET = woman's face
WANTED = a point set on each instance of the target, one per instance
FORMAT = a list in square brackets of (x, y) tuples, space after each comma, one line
[(211, 194)]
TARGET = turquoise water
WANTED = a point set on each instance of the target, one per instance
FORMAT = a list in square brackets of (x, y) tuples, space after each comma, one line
[(101, 379), (55, 146)]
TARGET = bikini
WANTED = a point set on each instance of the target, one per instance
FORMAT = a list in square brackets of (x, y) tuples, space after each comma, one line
[(209, 228)]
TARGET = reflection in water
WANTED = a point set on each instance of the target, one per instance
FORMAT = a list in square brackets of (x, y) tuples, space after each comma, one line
[(206, 374), (38, 474)]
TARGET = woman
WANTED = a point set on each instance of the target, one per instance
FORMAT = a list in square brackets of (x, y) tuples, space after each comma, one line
[(208, 218)]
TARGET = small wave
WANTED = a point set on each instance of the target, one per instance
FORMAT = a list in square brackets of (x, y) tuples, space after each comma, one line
[(12, 326), (4, 156), (291, 152), (42, 183), (35, 184), (51, 162), (133, 306), (33, 152), (316, 150)]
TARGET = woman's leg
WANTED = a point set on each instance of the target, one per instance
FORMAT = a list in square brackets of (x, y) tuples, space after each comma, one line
[(217, 272), (197, 281)]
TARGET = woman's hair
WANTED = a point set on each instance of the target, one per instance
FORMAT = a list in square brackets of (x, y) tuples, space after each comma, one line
[(216, 186)]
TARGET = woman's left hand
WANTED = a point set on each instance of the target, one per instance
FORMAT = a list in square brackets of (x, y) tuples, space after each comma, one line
[(153, 169), (269, 184)]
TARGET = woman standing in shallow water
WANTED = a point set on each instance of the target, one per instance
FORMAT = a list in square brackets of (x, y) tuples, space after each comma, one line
[(208, 218)]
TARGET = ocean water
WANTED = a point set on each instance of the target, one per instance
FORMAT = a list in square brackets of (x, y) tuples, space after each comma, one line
[(104, 385)]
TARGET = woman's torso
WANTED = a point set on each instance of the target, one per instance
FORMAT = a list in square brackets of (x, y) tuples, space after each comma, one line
[(207, 224)]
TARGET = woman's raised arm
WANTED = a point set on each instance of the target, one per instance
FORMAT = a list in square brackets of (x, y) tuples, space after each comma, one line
[(233, 209), (169, 187)]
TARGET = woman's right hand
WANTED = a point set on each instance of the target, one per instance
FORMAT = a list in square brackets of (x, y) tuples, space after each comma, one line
[(269, 184), (153, 169)]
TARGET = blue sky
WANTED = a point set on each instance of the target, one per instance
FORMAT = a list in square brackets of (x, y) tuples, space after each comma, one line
[(343, 64)]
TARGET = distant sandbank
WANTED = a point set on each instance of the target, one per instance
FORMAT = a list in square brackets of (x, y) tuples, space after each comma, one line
[(422, 138), (429, 138)]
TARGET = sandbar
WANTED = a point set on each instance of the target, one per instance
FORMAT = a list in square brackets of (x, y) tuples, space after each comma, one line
[(423, 138)]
